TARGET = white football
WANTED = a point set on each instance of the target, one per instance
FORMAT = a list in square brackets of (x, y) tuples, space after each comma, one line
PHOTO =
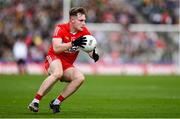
[(90, 44)]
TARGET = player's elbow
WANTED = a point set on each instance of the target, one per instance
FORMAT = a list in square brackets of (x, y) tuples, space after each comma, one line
[(56, 51)]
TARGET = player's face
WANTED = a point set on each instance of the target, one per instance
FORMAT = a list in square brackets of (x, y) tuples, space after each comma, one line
[(79, 22)]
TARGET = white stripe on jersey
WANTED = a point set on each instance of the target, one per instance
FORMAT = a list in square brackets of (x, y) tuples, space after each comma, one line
[(56, 31), (49, 59)]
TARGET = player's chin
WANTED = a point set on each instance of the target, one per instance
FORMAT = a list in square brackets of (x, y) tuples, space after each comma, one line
[(80, 29)]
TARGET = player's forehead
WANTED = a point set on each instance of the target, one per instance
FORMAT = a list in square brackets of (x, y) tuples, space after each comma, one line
[(81, 16)]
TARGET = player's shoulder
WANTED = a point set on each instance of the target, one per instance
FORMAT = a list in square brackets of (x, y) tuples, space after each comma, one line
[(63, 25), (60, 29)]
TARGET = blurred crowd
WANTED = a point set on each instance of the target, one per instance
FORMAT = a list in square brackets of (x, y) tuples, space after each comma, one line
[(108, 11), (32, 21), (158, 11), (128, 11), (137, 47)]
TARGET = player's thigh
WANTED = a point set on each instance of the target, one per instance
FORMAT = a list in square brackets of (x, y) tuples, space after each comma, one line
[(73, 73), (55, 68)]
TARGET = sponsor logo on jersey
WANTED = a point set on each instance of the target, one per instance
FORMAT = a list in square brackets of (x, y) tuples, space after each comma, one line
[(72, 49)]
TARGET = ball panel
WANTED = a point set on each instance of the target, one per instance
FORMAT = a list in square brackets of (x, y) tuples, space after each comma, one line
[(91, 43)]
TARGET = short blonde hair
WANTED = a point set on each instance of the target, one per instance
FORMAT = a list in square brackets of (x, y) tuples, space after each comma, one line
[(75, 10)]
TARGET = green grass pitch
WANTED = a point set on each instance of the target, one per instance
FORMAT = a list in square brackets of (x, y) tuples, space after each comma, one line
[(99, 97)]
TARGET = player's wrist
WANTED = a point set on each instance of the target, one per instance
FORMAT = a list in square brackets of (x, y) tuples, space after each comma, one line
[(71, 43), (74, 43)]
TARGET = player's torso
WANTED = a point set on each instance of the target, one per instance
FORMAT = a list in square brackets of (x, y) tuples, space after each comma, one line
[(69, 37), (70, 54)]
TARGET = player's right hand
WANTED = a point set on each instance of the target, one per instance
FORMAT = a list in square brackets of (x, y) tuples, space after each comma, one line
[(79, 42)]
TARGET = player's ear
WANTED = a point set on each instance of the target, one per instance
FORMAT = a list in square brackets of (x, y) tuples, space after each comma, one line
[(72, 19)]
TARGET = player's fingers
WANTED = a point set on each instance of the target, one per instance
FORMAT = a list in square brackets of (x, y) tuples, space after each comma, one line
[(83, 43), (83, 38), (80, 38), (81, 46)]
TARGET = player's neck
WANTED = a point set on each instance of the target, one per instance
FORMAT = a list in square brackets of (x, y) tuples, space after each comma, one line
[(73, 32)]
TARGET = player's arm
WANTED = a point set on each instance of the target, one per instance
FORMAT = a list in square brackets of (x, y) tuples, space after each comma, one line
[(59, 46), (94, 55)]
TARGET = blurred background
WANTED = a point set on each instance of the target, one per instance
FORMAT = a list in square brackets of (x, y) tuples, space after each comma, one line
[(135, 37)]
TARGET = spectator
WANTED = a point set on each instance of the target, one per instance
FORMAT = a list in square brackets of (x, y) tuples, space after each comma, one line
[(20, 52)]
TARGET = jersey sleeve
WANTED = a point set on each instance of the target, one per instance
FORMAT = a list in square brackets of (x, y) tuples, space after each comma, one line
[(58, 32)]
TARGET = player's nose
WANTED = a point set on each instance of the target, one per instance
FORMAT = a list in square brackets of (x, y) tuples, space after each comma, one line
[(83, 23)]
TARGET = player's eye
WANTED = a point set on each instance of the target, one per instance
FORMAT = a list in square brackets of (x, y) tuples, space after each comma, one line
[(82, 20)]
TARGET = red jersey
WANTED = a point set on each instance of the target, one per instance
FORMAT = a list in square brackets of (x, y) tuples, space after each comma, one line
[(63, 31)]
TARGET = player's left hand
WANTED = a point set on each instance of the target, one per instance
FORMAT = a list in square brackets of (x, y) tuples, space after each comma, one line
[(95, 56), (79, 42)]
